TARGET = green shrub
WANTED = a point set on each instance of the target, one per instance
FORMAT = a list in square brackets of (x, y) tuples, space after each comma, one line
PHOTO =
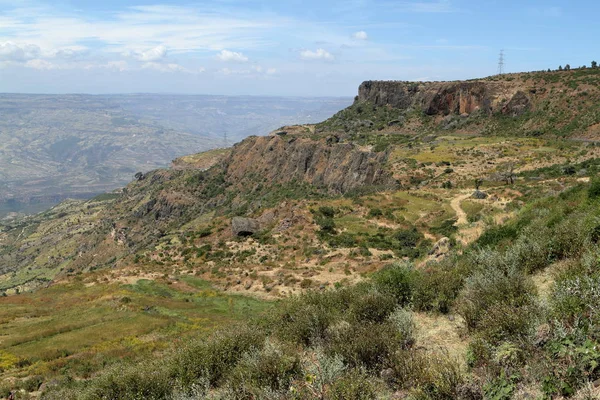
[(501, 388), (375, 213), (594, 189), (363, 345), (428, 376), (355, 385), (320, 372), (326, 211), (271, 368), (495, 285), (403, 322), (437, 286), (305, 319), (326, 224), (212, 359), (373, 307), (142, 381), (396, 280)]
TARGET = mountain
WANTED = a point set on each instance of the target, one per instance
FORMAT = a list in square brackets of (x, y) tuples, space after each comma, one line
[(432, 240), (59, 146)]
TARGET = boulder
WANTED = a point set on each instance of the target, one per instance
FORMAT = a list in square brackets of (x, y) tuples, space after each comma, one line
[(244, 226), (441, 248), (479, 195)]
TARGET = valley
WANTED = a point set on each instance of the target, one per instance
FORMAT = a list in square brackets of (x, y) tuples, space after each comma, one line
[(56, 147), (430, 241)]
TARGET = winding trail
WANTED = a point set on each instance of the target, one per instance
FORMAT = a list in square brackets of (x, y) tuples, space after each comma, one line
[(460, 213)]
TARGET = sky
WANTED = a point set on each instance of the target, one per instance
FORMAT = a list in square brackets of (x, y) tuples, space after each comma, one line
[(283, 47)]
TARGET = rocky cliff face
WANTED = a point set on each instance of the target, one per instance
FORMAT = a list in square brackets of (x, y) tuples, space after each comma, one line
[(444, 98), (338, 167)]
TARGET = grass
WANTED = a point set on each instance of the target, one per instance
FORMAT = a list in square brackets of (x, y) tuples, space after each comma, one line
[(52, 331)]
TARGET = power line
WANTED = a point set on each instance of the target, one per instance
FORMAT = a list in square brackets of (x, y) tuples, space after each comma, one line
[(501, 63)]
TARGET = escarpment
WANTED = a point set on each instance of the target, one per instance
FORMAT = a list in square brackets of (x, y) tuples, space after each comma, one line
[(326, 163), (444, 98)]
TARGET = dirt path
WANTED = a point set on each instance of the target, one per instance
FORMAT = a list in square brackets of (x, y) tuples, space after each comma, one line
[(460, 213)]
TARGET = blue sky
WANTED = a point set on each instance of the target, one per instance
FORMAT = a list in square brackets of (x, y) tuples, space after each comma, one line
[(294, 47)]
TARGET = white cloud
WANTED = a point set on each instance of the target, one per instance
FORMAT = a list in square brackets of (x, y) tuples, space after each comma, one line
[(171, 67), (69, 53), (114, 65), (154, 54), (271, 71), (360, 35), (10, 51), (226, 55), (42, 65), (319, 54)]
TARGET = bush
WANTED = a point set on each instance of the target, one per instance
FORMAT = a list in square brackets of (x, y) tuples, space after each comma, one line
[(429, 376), (437, 286), (306, 318), (594, 189), (327, 212), (375, 213), (373, 307), (320, 372), (145, 381), (396, 280), (214, 358), (271, 368), (402, 320), (364, 345), (355, 385), (494, 285)]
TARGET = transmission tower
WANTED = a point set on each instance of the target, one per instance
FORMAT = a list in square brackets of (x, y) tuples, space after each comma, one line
[(225, 144), (501, 63)]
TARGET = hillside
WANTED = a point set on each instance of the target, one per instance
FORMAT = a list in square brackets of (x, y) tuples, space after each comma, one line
[(561, 104), (444, 236)]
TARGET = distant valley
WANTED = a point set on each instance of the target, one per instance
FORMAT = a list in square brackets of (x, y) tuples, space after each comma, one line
[(54, 147)]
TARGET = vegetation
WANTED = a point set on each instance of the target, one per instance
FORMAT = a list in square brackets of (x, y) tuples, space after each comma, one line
[(418, 288)]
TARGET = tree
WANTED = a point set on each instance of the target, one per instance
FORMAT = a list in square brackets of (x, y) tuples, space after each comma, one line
[(594, 64), (508, 174), (567, 67), (478, 183)]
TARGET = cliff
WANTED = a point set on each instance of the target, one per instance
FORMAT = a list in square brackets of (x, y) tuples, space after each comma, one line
[(326, 163), (434, 98)]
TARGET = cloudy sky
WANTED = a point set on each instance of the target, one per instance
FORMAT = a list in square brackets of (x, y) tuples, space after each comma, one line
[(283, 47)]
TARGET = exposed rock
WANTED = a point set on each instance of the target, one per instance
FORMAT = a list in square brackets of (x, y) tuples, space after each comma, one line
[(479, 195), (441, 248), (518, 105), (338, 167), (397, 122), (433, 98), (244, 226), (446, 98)]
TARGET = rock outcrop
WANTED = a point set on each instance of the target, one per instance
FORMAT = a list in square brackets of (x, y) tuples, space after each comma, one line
[(328, 163), (445, 98), (244, 226), (479, 195)]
